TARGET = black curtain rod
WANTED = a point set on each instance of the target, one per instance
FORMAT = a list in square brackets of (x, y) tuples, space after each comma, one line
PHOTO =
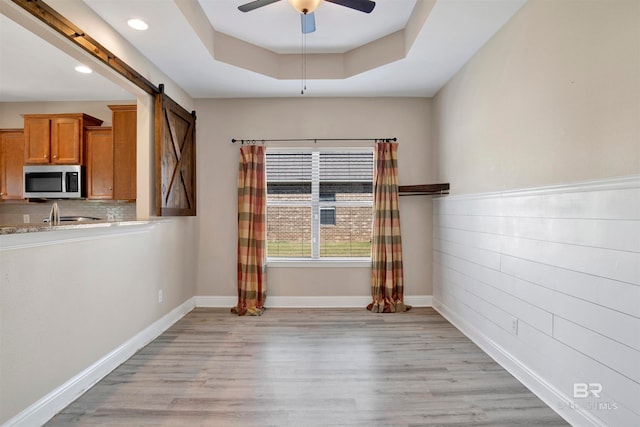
[(315, 140)]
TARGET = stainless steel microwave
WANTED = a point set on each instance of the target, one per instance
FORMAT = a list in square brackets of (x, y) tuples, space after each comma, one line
[(54, 182)]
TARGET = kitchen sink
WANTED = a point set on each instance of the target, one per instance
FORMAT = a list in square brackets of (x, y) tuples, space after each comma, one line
[(75, 219)]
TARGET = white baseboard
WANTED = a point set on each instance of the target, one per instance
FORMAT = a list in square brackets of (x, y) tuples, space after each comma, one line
[(318, 302), (419, 300), (309, 302), (216, 301), (538, 386), (44, 409)]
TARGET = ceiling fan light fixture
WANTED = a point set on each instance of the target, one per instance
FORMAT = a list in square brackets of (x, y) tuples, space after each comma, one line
[(305, 6)]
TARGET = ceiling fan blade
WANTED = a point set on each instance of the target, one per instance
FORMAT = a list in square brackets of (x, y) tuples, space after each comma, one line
[(308, 23), (248, 7), (365, 6)]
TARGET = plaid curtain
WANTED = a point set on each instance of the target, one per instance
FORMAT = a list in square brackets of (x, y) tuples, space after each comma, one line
[(252, 285), (387, 287)]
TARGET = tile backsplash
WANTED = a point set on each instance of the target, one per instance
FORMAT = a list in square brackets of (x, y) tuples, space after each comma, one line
[(13, 213)]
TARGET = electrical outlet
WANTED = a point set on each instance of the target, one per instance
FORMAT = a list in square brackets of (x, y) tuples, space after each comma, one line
[(111, 217), (514, 326), (160, 296), (26, 218)]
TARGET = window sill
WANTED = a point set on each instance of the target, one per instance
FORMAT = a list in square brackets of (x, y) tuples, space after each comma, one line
[(319, 263)]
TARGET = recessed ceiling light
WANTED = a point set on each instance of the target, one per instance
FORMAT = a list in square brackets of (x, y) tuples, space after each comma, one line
[(83, 69), (137, 24)]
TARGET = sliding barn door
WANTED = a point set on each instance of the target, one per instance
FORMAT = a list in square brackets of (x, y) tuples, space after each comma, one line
[(175, 158)]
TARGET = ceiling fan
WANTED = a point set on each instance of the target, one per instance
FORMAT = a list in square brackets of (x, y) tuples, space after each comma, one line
[(306, 8)]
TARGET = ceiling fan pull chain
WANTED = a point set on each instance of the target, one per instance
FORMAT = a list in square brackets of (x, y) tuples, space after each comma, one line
[(303, 64)]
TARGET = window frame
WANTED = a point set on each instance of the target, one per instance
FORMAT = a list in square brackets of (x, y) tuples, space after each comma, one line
[(316, 204)]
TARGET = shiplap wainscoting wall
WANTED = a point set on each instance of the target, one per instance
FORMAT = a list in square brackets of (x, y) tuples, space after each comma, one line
[(547, 281)]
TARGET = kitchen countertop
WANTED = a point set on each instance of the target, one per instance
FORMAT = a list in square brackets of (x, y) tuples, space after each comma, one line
[(36, 227)]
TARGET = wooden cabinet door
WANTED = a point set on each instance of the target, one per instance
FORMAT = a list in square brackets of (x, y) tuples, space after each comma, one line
[(99, 163), (124, 120), (66, 140), (11, 164), (37, 135)]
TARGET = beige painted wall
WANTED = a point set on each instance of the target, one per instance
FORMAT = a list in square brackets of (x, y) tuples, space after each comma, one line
[(65, 305), (221, 120), (553, 98)]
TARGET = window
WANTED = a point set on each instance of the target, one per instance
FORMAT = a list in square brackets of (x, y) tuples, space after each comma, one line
[(319, 203), (327, 216)]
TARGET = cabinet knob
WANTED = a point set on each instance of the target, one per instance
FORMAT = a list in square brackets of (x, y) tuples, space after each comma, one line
[(55, 157), (2, 194), (46, 156)]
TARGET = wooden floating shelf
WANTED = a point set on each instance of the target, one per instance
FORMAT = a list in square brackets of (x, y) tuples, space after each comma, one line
[(423, 190)]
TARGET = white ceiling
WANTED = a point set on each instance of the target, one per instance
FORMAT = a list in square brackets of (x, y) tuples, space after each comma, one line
[(33, 70), (338, 29)]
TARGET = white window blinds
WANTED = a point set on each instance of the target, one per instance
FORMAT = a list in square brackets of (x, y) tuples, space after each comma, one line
[(319, 203)]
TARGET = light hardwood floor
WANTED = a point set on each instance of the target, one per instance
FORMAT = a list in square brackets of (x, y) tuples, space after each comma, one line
[(294, 367)]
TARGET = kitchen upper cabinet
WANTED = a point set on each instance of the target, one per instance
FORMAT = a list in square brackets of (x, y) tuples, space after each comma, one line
[(124, 122), (11, 163), (110, 156), (99, 162), (56, 138), (38, 149), (66, 140)]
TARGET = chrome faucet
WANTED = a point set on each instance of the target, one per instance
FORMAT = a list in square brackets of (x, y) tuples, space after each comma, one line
[(54, 214)]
